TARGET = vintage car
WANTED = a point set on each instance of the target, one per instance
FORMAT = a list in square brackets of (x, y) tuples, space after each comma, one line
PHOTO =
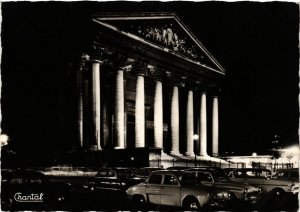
[(114, 179), (175, 188), (275, 190), (217, 178), (287, 174), (27, 190)]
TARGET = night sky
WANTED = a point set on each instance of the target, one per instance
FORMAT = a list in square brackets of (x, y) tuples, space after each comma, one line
[(257, 44)]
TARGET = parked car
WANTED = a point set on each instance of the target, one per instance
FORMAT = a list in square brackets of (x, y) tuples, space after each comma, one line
[(114, 179), (275, 190), (287, 174), (175, 188), (216, 177), (26, 189)]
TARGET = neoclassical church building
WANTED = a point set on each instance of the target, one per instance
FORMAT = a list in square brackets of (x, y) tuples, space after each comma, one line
[(148, 90)]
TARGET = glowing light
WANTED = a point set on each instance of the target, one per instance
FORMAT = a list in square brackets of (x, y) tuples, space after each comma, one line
[(196, 137), (3, 139), (254, 154)]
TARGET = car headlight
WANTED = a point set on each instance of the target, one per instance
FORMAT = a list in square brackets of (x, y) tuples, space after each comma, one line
[(60, 199), (259, 189), (295, 188), (222, 195)]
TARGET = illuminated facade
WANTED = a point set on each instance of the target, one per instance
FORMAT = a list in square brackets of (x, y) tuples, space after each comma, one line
[(148, 89)]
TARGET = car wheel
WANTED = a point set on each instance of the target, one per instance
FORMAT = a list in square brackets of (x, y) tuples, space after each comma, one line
[(278, 197), (191, 204), (139, 202)]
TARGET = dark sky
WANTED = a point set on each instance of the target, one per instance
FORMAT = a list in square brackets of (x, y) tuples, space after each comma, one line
[(257, 44)]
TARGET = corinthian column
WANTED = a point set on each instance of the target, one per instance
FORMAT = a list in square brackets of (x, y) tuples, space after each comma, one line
[(158, 114), (215, 127), (203, 126), (96, 101), (119, 110), (85, 110), (175, 121), (140, 112), (190, 124), (79, 77)]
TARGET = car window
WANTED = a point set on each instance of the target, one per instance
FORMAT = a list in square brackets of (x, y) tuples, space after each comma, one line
[(294, 174), (155, 179), (282, 174), (125, 172), (101, 173), (170, 180), (204, 177), (34, 180), (18, 180), (252, 173), (111, 173), (239, 174), (188, 179), (220, 175), (22, 180)]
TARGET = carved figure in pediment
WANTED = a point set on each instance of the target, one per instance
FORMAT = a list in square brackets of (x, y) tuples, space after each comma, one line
[(170, 35), (164, 36), (167, 35), (158, 36)]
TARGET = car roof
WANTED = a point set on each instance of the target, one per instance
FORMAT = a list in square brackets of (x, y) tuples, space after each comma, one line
[(114, 168), (175, 172), (205, 168), (154, 168), (293, 169)]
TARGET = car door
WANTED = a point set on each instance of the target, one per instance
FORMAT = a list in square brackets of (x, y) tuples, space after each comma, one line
[(153, 187), (170, 191), (112, 182)]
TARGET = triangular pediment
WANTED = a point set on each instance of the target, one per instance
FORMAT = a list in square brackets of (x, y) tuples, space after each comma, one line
[(165, 31)]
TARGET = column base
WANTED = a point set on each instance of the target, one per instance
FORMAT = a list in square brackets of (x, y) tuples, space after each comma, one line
[(118, 147), (215, 155), (190, 154), (93, 148), (203, 155), (176, 153)]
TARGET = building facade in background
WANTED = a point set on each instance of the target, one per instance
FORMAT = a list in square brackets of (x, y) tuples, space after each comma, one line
[(148, 89)]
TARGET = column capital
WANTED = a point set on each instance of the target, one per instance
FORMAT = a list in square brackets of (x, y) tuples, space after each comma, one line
[(155, 72), (175, 80), (83, 61), (204, 86), (119, 61), (190, 84), (95, 61), (214, 89), (97, 52), (140, 68)]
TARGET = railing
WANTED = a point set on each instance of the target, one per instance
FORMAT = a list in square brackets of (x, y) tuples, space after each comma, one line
[(273, 166), (195, 163)]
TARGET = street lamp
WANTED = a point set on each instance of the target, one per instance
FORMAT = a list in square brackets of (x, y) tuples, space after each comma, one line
[(3, 139)]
